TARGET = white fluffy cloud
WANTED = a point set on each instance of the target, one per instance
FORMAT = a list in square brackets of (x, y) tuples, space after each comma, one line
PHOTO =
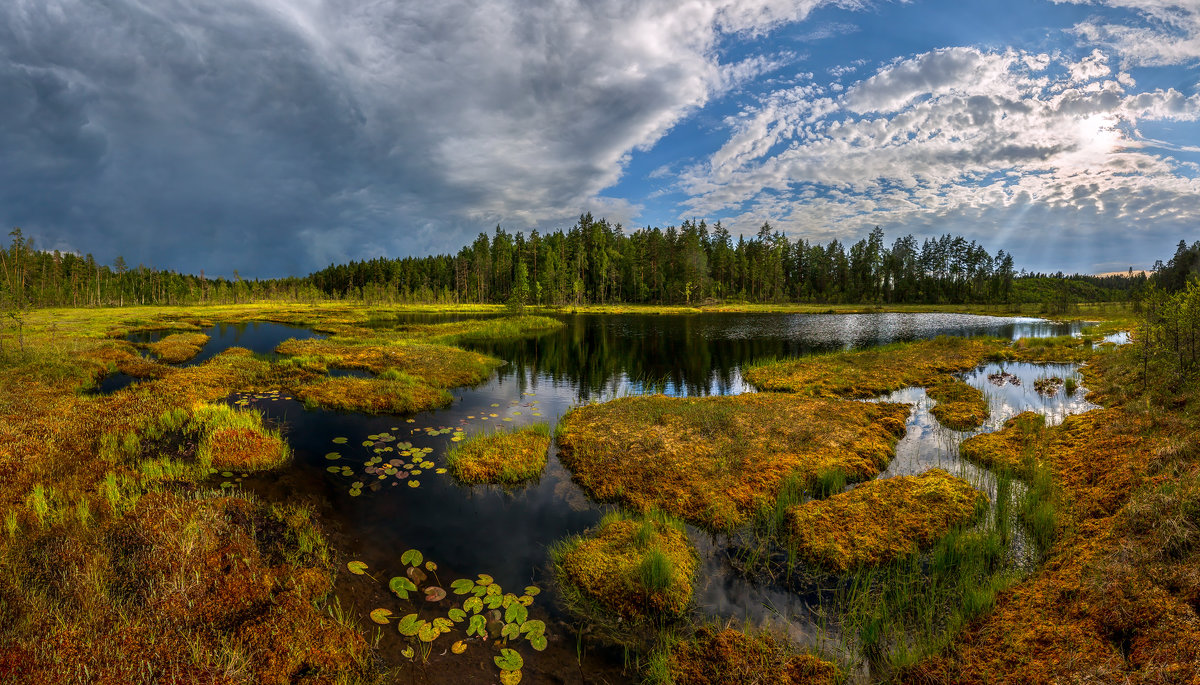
[(952, 132), (1168, 34)]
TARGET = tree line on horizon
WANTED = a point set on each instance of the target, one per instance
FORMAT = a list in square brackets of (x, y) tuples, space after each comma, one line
[(595, 261)]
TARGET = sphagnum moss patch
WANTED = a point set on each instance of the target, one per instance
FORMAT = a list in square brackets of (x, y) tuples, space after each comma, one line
[(179, 347), (733, 657), (715, 461), (959, 406), (882, 520), (502, 458), (634, 568)]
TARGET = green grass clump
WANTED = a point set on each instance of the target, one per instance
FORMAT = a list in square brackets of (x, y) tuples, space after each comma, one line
[(629, 568), (179, 347), (502, 458)]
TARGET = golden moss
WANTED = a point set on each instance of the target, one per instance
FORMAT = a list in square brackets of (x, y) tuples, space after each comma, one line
[(400, 395), (1011, 449), (439, 366), (633, 568), (731, 657), (507, 457), (959, 406), (867, 373), (715, 460), (882, 520), (179, 347)]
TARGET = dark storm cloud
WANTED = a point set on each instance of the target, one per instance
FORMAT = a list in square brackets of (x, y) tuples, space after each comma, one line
[(275, 136)]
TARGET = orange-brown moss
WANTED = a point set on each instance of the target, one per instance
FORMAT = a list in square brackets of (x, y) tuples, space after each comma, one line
[(959, 406), (179, 347), (1111, 604), (731, 657), (882, 520), (609, 567), (715, 460), (440, 366), (373, 395), (1011, 449), (508, 457)]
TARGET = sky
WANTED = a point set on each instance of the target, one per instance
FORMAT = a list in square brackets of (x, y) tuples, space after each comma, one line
[(278, 136)]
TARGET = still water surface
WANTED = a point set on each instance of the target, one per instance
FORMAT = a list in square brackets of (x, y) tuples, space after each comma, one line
[(472, 530)]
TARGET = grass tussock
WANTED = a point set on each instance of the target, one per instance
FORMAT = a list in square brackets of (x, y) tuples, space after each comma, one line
[(882, 520), (395, 394), (717, 461), (178, 347), (1012, 449), (501, 458), (959, 406), (632, 568), (868, 373), (733, 657), (439, 366)]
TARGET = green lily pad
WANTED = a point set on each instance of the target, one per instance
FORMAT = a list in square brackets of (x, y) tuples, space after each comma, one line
[(408, 652), (478, 625), (333, 455), (411, 557), (516, 613), (339, 441), (357, 567), (532, 591), (333, 469), (381, 616), (510, 631), (401, 586), (538, 643), (484, 579), (410, 625), (473, 604), (509, 660), (457, 615), (443, 625), (427, 633), (533, 628)]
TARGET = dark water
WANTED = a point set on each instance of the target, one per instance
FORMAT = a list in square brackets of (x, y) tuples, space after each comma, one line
[(260, 337), (472, 530)]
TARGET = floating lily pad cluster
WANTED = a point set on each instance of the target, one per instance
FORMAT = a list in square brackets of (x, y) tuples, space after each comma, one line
[(227, 475), (244, 399), (486, 612), (408, 463), (515, 407)]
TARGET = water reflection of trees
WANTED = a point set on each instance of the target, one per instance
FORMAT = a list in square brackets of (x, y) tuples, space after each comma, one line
[(700, 355)]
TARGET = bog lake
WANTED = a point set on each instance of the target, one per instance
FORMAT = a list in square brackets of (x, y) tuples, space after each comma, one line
[(468, 530)]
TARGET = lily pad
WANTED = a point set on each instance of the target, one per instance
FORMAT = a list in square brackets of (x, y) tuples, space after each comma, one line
[(333, 469), (430, 566), (414, 483), (473, 604), (412, 557), (477, 626), (509, 660), (410, 625), (427, 633), (516, 613), (418, 576), (510, 631), (510, 677), (381, 616), (333, 455), (339, 441), (357, 567), (434, 593), (408, 652), (485, 579), (443, 625), (457, 615), (402, 586), (458, 647), (533, 628), (538, 643), (532, 591)]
